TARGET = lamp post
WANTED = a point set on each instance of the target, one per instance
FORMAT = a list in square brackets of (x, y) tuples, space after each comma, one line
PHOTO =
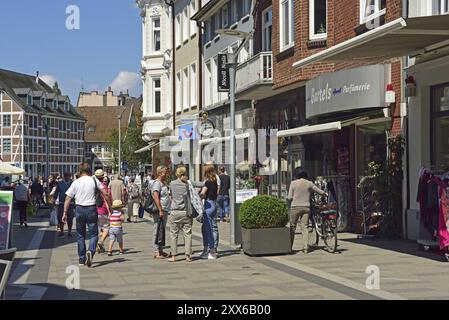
[(232, 64), (119, 117)]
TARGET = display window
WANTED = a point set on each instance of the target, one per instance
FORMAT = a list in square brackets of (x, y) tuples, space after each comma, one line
[(440, 126)]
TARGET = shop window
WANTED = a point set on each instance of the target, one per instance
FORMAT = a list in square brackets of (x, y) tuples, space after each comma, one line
[(318, 19), (371, 9), (440, 126)]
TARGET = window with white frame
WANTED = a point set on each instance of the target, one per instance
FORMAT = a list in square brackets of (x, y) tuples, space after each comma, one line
[(286, 24), (208, 83), (193, 84), (178, 92), (6, 145), (43, 102), (247, 7), (444, 6), (217, 23), (178, 30), (30, 100), (318, 19), (185, 88), (235, 11), (371, 9), (224, 16), (192, 22), (185, 25), (156, 34), (267, 29), (157, 95), (6, 121)]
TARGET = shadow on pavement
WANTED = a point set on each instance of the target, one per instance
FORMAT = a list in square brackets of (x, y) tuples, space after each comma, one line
[(56, 292), (104, 263), (399, 245)]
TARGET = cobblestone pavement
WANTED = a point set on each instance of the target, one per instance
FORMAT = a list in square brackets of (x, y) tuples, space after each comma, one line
[(45, 263)]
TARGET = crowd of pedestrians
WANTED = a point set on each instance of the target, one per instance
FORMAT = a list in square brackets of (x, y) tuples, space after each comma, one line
[(101, 206)]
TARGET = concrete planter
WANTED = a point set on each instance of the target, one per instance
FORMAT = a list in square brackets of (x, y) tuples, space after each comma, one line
[(258, 242)]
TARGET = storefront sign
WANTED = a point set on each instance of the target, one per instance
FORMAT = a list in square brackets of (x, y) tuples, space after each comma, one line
[(358, 88), (6, 198), (187, 132), (243, 195), (223, 74)]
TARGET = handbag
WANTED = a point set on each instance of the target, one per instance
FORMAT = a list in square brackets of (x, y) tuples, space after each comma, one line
[(190, 210), (98, 197), (160, 234), (196, 203), (54, 218)]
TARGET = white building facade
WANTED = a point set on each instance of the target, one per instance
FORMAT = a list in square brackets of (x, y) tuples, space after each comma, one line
[(156, 69)]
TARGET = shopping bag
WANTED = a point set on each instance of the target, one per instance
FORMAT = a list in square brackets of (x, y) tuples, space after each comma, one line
[(160, 235), (31, 210), (53, 218), (141, 211)]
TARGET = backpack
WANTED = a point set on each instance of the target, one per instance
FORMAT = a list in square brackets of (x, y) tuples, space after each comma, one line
[(134, 191), (98, 196)]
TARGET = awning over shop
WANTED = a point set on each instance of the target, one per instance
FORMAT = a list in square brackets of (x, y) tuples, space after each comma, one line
[(221, 139), (150, 146), (401, 37), (319, 128)]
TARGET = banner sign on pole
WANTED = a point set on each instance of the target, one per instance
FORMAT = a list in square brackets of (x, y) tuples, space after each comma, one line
[(6, 199), (223, 73)]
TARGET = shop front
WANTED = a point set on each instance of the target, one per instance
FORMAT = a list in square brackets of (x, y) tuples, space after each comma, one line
[(347, 129), (428, 146)]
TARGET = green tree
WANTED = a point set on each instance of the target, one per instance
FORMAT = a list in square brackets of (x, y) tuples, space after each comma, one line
[(56, 89), (131, 141)]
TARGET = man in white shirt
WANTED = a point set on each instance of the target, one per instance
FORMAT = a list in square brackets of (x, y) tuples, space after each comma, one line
[(84, 190)]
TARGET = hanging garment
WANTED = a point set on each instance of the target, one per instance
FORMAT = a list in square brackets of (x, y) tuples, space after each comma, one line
[(443, 226), (428, 199)]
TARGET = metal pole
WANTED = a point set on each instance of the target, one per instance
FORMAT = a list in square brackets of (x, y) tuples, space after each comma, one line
[(119, 145), (232, 65)]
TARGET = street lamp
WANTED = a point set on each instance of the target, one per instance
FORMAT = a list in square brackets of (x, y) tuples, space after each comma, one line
[(119, 117), (232, 64)]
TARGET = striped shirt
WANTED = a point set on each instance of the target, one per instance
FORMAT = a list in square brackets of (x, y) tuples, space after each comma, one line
[(114, 219)]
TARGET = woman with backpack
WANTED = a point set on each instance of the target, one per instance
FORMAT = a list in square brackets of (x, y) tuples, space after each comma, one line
[(134, 196)]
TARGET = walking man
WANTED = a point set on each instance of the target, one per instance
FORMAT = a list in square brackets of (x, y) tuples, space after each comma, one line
[(60, 196), (22, 197), (84, 191)]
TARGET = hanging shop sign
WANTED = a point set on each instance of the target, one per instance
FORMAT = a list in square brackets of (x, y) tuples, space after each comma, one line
[(187, 132), (358, 88), (6, 199), (223, 74)]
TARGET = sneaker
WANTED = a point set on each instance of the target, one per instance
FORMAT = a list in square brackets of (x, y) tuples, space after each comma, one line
[(210, 256), (109, 253), (89, 259), (204, 255), (447, 256), (122, 252), (81, 264)]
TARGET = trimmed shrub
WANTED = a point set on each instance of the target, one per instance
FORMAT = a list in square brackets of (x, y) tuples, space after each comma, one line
[(263, 212)]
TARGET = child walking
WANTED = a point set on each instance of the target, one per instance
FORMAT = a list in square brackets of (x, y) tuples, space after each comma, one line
[(115, 229)]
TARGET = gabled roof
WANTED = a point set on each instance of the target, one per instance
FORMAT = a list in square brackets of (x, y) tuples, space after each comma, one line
[(17, 85)]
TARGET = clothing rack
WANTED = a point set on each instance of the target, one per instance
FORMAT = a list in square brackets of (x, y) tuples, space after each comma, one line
[(365, 183)]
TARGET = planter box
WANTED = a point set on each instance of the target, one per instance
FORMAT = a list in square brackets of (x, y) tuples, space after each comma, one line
[(256, 242)]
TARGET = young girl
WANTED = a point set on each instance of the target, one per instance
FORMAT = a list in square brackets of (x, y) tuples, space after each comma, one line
[(116, 219)]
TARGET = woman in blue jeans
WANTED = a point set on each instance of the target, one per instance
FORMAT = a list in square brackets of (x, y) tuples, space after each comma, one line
[(210, 227)]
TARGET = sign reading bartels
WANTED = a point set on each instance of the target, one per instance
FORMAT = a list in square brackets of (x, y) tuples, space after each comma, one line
[(358, 88), (223, 73)]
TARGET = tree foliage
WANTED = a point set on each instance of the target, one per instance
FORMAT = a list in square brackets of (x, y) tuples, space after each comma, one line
[(56, 89)]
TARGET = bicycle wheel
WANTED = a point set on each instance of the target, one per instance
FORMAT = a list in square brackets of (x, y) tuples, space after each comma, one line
[(330, 236)]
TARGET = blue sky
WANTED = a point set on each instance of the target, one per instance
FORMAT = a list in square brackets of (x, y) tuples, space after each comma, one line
[(105, 50)]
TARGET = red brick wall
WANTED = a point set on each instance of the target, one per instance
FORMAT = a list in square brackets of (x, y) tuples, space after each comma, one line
[(343, 18)]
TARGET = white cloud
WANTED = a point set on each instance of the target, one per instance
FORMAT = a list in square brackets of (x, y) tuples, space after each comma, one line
[(126, 80), (49, 79)]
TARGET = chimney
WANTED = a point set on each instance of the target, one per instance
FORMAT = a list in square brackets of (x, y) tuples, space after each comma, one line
[(37, 76), (109, 89)]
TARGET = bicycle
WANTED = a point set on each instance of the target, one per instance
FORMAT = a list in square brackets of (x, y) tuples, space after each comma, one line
[(323, 225), (37, 204)]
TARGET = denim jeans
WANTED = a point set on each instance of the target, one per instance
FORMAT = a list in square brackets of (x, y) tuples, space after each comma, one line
[(209, 228), (223, 206), (86, 216)]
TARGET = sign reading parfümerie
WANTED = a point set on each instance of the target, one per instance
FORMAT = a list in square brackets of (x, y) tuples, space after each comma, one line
[(358, 88), (6, 199), (223, 73)]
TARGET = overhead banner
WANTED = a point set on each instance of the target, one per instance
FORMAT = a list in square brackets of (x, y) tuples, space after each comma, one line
[(6, 199), (346, 90), (223, 73)]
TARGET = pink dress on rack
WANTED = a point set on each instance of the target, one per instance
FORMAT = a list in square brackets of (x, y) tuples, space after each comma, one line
[(443, 224)]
